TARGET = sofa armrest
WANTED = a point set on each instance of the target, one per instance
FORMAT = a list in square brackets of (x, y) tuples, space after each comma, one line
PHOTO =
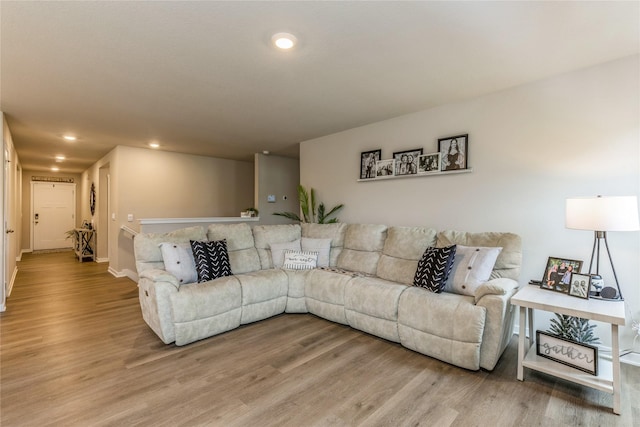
[(158, 275), (500, 286), (495, 297)]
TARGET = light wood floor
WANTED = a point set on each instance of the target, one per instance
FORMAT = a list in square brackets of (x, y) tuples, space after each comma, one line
[(76, 352)]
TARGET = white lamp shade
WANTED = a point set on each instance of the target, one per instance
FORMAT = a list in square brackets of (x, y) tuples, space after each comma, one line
[(603, 213)]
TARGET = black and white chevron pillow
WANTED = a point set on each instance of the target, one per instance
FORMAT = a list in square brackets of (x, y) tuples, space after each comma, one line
[(211, 258), (434, 268)]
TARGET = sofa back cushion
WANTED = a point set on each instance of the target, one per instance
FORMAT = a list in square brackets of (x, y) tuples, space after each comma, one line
[(265, 235), (243, 255), (509, 261), (146, 246), (363, 245), (335, 232), (403, 248)]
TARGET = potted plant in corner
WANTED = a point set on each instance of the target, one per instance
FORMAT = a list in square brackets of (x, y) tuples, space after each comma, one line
[(311, 212)]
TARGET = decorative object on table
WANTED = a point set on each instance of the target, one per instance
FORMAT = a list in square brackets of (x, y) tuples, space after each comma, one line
[(429, 163), (454, 152), (601, 214), (385, 168), (571, 353), (580, 285), (557, 274), (249, 213), (92, 199), (368, 161), (596, 285), (406, 162), (311, 212)]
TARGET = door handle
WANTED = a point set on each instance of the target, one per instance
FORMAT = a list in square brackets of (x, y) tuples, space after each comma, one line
[(9, 231)]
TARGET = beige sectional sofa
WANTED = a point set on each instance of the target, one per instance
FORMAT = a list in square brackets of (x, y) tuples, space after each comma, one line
[(368, 286)]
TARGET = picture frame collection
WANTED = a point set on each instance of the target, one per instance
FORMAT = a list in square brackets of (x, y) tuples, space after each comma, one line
[(563, 275), (452, 155)]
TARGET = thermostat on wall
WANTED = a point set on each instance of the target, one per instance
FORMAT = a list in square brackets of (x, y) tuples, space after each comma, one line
[(271, 198)]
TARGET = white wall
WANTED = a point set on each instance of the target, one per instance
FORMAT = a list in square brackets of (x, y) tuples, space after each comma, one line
[(159, 184), (531, 147), (10, 185), (278, 176)]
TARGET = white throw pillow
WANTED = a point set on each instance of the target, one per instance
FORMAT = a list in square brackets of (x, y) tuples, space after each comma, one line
[(278, 250), (472, 267), (178, 260), (299, 260), (322, 246)]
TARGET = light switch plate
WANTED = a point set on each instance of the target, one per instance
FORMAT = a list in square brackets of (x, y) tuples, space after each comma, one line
[(271, 198)]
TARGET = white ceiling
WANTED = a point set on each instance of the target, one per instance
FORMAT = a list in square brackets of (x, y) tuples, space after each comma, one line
[(202, 77)]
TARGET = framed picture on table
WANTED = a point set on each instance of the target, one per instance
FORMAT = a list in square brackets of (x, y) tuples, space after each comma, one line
[(557, 274)]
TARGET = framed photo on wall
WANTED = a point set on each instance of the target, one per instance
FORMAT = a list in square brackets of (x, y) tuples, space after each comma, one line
[(429, 163), (384, 168), (454, 152), (368, 161), (557, 274), (407, 161)]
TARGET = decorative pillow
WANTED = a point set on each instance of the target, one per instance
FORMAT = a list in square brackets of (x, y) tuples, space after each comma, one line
[(472, 267), (322, 246), (211, 259), (278, 250), (299, 260), (178, 260), (434, 268)]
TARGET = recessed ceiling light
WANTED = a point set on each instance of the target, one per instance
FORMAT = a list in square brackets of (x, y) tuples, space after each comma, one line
[(70, 137), (284, 40), (60, 158), (55, 169), (154, 145)]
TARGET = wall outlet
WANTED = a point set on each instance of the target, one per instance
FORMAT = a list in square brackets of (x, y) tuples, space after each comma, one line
[(271, 198), (130, 217)]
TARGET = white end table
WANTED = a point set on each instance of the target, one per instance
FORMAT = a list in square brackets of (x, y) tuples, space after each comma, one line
[(531, 297)]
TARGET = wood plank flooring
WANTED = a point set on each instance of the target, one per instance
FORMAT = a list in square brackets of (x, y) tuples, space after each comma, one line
[(76, 352)]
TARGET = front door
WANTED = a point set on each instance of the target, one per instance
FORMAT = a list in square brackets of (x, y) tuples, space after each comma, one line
[(54, 206)]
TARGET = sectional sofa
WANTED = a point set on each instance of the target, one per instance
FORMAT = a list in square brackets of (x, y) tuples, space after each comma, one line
[(366, 283)]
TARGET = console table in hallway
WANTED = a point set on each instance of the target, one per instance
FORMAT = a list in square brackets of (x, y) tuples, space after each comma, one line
[(84, 243)]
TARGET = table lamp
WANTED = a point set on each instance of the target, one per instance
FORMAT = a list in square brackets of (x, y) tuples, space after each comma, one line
[(601, 214)]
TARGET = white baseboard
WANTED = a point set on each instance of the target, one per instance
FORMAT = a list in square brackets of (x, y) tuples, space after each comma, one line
[(102, 260), (124, 273), (3, 307), (12, 281)]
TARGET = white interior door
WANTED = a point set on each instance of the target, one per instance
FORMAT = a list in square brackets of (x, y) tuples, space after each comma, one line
[(54, 206)]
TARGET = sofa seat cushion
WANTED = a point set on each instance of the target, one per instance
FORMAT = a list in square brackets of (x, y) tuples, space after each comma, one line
[(201, 310), (243, 255), (325, 294), (446, 326), (296, 300), (371, 305), (264, 294), (199, 300)]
